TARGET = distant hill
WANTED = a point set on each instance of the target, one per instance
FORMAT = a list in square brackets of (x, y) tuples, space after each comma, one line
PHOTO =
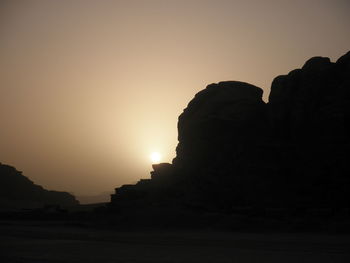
[(17, 191), (94, 199)]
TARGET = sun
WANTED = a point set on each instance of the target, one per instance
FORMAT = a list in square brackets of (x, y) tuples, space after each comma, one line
[(155, 157)]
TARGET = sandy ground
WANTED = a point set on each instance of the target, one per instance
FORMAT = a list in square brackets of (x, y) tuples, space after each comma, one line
[(42, 243)]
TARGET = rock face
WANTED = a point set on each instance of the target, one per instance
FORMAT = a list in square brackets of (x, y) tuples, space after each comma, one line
[(217, 118), (18, 190), (220, 137), (309, 111), (235, 150)]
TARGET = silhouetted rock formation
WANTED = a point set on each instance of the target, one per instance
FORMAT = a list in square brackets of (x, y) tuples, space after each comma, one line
[(237, 151), (19, 191), (309, 112)]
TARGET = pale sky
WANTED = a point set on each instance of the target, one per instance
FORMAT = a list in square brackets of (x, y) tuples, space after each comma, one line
[(89, 89)]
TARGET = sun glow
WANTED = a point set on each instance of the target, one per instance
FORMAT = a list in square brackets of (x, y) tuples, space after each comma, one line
[(155, 157)]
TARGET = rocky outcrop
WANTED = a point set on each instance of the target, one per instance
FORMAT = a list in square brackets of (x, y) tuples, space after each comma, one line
[(235, 150), (309, 111), (18, 190), (219, 117)]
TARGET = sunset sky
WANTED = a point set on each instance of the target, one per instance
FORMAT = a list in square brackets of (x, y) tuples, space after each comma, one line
[(90, 89)]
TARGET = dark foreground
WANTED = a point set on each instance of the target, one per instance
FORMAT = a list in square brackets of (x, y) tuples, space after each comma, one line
[(42, 242)]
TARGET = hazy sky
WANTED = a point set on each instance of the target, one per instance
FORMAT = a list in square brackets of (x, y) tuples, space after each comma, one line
[(88, 89)]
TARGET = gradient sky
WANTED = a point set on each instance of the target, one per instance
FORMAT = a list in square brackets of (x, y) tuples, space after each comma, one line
[(88, 89)]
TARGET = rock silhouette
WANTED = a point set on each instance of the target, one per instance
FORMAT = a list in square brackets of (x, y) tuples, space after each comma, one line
[(235, 150), (17, 191)]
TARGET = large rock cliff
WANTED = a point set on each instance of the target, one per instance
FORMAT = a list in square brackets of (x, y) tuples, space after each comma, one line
[(235, 150)]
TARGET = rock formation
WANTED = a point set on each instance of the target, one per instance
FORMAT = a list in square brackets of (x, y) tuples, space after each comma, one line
[(20, 192), (235, 150)]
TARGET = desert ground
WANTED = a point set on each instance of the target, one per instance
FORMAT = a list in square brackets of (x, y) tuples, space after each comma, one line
[(41, 242)]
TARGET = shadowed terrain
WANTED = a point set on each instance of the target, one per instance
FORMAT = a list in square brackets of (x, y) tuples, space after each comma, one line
[(40, 243)]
